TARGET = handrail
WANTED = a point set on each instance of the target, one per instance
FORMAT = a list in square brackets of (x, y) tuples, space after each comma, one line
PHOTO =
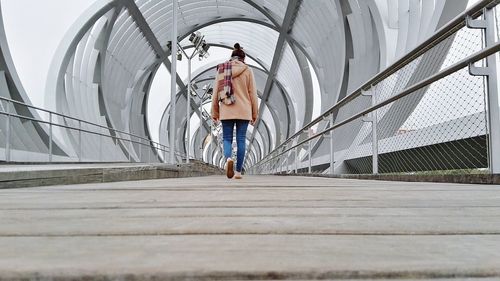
[(69, 117), (161, 148), (439, 36), (140, 139), (409, 90)]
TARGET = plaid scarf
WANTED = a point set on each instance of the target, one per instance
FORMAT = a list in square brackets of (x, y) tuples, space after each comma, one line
[(225, 85)]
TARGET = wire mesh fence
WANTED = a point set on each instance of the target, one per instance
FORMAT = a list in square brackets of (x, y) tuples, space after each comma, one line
[(431, 114), (31, 134), (440, 127)]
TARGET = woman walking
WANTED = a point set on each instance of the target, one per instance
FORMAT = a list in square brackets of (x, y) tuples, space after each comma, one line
[(234, 103)]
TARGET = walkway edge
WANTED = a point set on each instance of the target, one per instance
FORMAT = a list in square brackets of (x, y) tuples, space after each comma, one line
[(64, 176), (466, 179), (264, 275)]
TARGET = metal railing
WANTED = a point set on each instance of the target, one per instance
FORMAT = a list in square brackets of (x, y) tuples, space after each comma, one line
[(7, 109), (298, 148)]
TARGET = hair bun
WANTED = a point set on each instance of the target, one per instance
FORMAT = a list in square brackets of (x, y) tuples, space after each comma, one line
[(237, 46)]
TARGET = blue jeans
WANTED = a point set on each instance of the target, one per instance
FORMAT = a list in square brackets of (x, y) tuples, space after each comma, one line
[(227, 135)]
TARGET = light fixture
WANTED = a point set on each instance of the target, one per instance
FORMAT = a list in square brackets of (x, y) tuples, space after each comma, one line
[(208, 89), (191, 38), (201, 49), (195, 38), (205, 46)]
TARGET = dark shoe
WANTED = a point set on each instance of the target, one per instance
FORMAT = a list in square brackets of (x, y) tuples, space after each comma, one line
[(230, 168)]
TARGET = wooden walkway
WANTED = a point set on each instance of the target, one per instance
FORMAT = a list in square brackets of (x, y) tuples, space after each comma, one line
[(258, 228)]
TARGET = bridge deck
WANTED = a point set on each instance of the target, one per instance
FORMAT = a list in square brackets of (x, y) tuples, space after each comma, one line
[(261, 227)]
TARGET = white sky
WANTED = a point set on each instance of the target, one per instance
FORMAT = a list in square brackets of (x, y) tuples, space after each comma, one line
[(34, 29)]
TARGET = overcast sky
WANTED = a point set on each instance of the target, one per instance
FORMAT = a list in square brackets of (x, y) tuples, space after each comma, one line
[(34, 29)]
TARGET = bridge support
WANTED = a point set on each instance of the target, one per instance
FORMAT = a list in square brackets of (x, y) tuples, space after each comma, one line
[(296, 153), (373, 120), (8, 133), (487, 24), (332, 147)]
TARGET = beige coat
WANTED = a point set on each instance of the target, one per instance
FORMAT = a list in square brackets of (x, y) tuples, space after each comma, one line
[(245, 93)]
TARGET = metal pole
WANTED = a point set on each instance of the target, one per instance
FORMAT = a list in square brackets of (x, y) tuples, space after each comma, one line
[(7, 144), (201, 128), (271, 167), (129, 152), (372, 118), (490, 71), (50, 137), (157, 150), (493, 104), (285, 163), (100, 145), (281, 164), (276, 164), (80, 141), (164, 151), (288, 164), (332, 148), (374, 136), (173, 82), (140, 150), (296, 159), (148, 148), (310, 156), (188, 113)]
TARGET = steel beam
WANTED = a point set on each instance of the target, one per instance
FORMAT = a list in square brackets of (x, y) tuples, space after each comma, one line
[(144, 27), (291, 12)]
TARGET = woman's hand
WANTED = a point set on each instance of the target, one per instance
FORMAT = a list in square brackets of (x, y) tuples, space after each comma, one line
[(252, 122)]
